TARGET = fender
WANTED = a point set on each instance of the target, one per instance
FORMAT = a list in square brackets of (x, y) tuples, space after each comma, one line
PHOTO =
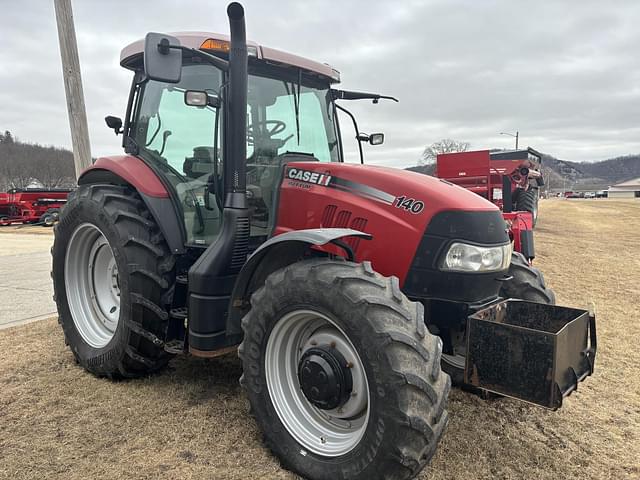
[(272, 255), (131, 169), (127, 169)]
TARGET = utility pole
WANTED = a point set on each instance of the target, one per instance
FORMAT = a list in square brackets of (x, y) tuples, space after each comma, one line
[(517, 135), (73, 86)]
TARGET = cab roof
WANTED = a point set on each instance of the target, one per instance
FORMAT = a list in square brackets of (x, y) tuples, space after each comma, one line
[(131, 53)]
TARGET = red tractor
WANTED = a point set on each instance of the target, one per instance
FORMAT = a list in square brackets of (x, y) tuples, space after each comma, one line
[(32, 205), (233, 222), (509, 179)]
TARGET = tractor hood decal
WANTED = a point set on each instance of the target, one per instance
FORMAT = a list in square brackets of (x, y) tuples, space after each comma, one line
[(361, 189), (325, 180)]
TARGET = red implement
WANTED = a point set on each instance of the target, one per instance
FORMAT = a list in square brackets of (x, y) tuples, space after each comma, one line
[(31, 205)]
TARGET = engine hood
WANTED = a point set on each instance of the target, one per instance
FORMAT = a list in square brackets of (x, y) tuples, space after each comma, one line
[(395, 206)]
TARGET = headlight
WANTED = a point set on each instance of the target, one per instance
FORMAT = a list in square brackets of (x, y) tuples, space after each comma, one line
[(462, 257)]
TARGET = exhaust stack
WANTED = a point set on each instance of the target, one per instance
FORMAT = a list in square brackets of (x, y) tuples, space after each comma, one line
[(212, 276), (236, 182)]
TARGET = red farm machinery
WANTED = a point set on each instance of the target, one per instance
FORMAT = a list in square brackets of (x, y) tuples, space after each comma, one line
[(354, 295), (509, 179), (32, 206)]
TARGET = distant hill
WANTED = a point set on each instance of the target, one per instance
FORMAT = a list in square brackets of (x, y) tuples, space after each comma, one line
[(578, 175), (25, 165), (612, 171)]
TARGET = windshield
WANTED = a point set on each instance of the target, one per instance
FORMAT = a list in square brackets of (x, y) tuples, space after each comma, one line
[(284, 116), (290, 113)]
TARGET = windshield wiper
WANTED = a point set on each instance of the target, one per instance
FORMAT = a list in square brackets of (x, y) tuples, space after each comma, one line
[(350, 95)]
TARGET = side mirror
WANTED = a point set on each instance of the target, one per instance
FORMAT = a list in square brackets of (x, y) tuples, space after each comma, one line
[(376, 138), (162, 58), (114, 123), (199, 98)]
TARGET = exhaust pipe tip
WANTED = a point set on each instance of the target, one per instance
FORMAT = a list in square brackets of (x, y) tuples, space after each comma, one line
[(235, 11)]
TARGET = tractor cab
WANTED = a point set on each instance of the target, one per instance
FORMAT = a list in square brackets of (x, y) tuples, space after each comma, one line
[(178, 127)]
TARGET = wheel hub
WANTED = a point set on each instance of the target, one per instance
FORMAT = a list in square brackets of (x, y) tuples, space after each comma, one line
[(325, 378), (310, 367)]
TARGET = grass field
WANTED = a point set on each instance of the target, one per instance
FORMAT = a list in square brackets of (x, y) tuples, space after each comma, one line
[(192, 421)]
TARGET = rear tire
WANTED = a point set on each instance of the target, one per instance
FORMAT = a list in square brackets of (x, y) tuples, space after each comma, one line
[(527, 284), (394, 433), (112, 275), (527, 201), (48, 219)]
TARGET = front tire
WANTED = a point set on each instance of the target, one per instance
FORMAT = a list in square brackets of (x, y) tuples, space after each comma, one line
[(527, 282), (387, 421), (112, 275)]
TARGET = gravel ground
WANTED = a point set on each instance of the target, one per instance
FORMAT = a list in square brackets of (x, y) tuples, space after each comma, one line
[(192, 421)]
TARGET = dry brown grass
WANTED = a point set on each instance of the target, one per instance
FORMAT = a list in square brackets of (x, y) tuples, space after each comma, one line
[(33, 229), (192, 421)]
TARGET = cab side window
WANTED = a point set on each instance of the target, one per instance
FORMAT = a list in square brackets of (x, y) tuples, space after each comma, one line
[(180, 140)]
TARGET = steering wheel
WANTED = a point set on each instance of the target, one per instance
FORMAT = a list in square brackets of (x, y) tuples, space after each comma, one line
[(268, 127)]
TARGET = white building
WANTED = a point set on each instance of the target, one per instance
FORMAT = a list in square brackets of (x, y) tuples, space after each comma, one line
[(628, 189)]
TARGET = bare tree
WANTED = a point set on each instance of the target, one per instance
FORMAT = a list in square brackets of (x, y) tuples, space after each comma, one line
[(26, 164), (446, 145)]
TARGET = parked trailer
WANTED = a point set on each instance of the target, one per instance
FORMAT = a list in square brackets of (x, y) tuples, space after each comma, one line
[(32, 206), (509, 179)]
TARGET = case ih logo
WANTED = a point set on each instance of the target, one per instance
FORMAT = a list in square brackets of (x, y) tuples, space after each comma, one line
[(308, 177)]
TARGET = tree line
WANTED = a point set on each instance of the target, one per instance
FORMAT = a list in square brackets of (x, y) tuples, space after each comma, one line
[(24, 165)]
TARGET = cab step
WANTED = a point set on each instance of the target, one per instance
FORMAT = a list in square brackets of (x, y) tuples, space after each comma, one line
[(178, 313), (174, 347)]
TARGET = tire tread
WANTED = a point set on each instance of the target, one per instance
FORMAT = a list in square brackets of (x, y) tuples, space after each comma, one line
[(397, 325)]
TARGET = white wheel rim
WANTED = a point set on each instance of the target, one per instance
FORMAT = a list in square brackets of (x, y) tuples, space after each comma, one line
[(92, 285), (330, 433)]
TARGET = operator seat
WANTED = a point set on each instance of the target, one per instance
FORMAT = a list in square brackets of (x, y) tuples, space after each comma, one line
[(200, 164), (199, 169)]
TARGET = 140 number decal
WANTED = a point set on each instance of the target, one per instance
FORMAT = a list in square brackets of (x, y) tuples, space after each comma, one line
[(409, 204)]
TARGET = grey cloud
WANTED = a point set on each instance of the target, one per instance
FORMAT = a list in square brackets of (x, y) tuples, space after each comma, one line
[(565, 74)]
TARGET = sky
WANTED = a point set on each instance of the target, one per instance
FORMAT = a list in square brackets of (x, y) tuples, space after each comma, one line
[(564, 74)]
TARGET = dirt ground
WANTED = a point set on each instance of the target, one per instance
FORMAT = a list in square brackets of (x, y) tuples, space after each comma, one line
[(192, 421)]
